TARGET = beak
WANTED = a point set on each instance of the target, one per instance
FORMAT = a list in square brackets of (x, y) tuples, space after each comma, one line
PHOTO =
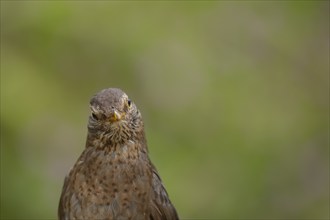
[(116, 116)]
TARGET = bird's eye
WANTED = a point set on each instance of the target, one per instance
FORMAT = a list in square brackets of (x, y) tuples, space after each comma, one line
[(129, 103), (94, 116)]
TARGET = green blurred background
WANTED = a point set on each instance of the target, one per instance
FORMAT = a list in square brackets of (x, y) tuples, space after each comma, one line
[(235, 98)]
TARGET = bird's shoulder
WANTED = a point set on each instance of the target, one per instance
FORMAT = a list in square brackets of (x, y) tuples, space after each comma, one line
[(161, 206)]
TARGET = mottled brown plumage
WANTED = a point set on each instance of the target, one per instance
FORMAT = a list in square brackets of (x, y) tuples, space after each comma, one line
[(114, 177)]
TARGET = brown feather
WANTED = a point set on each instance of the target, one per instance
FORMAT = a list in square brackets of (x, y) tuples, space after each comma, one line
[(114, 177)]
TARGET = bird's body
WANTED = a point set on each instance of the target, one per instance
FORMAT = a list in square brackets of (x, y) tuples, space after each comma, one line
[(114, 177)]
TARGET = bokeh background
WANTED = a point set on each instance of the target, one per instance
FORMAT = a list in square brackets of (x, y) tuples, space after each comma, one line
[(234, 94)]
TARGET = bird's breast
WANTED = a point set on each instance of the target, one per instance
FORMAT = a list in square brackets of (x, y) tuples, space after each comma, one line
[(114, 182)]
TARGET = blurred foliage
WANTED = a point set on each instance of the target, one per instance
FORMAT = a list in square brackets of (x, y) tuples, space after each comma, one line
[(234, 94)]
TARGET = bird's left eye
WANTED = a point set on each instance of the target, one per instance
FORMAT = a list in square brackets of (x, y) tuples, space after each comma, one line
[(129, 103)]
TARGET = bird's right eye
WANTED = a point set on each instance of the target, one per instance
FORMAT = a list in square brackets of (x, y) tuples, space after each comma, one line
[(94, 116)]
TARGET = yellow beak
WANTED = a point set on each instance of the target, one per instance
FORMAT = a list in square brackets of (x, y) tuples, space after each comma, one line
[(116, 116)]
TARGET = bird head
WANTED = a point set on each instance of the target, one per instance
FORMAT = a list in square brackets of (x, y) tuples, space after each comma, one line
[(114, 116)]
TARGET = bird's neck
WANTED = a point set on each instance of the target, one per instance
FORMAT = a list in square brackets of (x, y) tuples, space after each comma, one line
[(104, 141)]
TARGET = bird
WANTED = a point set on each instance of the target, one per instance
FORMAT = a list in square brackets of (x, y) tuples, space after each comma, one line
[(114, 178)]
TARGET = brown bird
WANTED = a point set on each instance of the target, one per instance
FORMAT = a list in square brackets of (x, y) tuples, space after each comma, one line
[(114, 177)]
